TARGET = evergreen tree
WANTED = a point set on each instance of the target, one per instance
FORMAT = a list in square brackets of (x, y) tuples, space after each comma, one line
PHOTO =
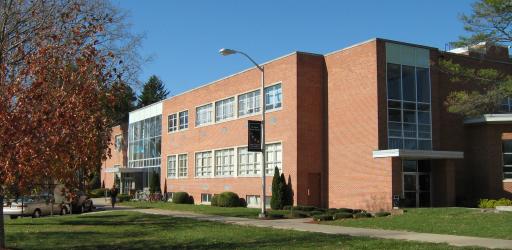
[(152, 91), (489, 23), (276, 200), (289, 191), (124, 102), (154, 185)]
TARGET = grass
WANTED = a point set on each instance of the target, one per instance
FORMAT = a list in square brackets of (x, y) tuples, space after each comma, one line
[(202, 209), (132, 230), (455, 221)]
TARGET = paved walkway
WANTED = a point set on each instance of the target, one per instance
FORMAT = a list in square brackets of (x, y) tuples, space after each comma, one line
[(302, 225)]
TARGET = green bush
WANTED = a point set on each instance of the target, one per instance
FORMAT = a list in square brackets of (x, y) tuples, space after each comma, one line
[(332, 211), (322, 217), (314, 212), (214, 201), (182, 198), (123, 197), (304, 208), (299, 214), (342, 215), (346, 210), (362, 215), (227, 199), (287, 207), (382, 214), (97, 193), (488, 203)]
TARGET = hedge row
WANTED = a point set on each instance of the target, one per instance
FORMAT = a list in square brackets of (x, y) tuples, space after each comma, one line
[(488, 203)]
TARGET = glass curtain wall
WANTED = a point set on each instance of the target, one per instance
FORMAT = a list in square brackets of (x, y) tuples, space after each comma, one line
[(144, 147)]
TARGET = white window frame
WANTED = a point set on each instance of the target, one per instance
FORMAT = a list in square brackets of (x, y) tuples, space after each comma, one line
[(175, 167), (172, 123), (251, 166), (249, 103), (182, 169), (204, 115), (203, 164), (272, 102), (225, 109), (208, 200), (274, 153), (221, 165), (183, 126)]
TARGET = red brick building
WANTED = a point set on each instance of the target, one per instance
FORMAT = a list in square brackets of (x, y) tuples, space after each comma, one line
[(354, 128)]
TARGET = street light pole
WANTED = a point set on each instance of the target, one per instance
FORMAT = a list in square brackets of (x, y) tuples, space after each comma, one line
[(226, 52)]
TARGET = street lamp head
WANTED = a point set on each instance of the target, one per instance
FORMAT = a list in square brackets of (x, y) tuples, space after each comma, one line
[(227, 52)]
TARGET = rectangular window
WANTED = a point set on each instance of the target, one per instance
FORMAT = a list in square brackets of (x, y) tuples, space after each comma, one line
[(172, 122), (249, 163), (507, 159), (249, 103), (409, 109), (204, 163), (206, 198), (171, 166), (274, 158), (253, 200), (183, 115), (273, 95), (225, 162), (118, 142), (204, 114), (225, 109), (182, 165)]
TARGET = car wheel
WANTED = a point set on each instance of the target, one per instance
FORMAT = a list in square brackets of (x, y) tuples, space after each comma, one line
[(36, 214), (63, 211)]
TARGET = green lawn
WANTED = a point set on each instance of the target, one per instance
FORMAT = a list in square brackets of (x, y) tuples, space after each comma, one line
[(202, 209), (456, 221), (132, 230)]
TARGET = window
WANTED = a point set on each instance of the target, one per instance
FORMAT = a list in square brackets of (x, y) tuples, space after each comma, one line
[(204, 163), (273, 97), (183, 119), (249, 163), (172, 122), (249, 103), (506, 105), (182, 165), (225, 162), (253, 200), (507, 159), (118, 142), (144, 143), (274, 158), (206, 198), (204, 114), (171, 166), (224, 109), (409, 109)]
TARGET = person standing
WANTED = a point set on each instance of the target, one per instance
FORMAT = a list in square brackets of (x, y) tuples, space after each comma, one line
[(113, 195)]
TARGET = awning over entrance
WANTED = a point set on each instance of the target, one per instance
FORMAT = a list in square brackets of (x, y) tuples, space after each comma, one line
[(418, 154), (125, 170)]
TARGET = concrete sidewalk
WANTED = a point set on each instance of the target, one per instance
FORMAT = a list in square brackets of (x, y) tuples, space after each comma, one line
[(302, 225)]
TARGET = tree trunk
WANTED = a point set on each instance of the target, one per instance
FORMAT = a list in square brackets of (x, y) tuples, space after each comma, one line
[(2, 229)]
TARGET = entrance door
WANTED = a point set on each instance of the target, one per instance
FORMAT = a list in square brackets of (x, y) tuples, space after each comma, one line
[(416, 183)]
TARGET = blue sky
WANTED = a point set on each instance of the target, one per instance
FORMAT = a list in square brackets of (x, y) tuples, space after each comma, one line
[(183, 37)]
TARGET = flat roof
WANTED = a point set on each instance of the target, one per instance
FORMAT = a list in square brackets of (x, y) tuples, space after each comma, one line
[(490, 119), (418, 154)]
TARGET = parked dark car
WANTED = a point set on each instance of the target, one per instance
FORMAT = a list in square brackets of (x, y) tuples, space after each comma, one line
[(81, 203)]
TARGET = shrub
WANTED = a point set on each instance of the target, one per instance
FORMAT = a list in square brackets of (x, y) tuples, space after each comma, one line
[(356, 211), (227, 199), (215, 200), (313, 213), (322, 217), (382, 214), (342, 215), (299, 214), (488, 203), (97, 193), (182, 198), (362, 215), (346, 210), (287, 207), (304, 208), (332, 211), (123, 197)]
